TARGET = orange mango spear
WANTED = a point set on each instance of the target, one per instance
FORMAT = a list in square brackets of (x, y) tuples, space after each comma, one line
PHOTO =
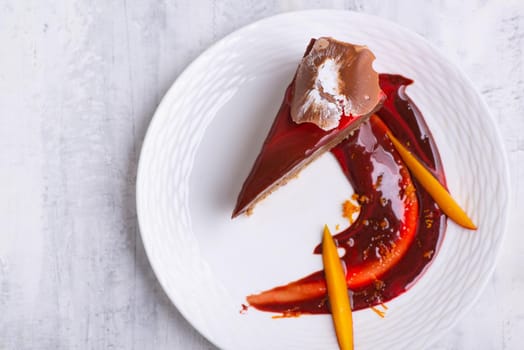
[(337, 292), (438, 192)]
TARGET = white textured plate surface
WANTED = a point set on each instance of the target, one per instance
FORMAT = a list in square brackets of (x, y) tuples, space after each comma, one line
[(204, 138)]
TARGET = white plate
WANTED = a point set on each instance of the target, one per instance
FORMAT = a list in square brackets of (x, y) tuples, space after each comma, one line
[(204, 138)]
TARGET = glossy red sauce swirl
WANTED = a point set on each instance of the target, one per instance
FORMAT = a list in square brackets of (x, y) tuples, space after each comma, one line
[(399, 227)]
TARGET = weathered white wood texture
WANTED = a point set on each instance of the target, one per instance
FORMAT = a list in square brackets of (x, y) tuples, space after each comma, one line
[(79, 82)]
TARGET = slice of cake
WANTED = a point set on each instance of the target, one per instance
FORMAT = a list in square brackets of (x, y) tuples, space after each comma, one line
[(334, 90)]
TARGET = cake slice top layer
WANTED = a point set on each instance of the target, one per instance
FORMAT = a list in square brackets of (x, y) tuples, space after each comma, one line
[(334, 90)]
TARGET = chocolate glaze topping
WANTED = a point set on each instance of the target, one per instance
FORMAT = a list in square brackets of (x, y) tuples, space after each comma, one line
[(334, 79)]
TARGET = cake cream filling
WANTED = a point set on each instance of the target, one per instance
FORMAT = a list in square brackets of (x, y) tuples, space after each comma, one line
[(325, 98)]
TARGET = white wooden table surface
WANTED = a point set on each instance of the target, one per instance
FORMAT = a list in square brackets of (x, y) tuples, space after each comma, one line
[(79, 82)]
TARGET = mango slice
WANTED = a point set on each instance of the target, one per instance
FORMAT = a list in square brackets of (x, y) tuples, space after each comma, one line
[(337, 292), (432, 186)]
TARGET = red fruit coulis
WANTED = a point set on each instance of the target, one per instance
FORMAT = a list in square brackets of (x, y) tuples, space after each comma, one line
[(386, 219)]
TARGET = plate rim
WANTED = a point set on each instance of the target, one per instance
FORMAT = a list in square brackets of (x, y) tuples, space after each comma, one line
[(505, 176)]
